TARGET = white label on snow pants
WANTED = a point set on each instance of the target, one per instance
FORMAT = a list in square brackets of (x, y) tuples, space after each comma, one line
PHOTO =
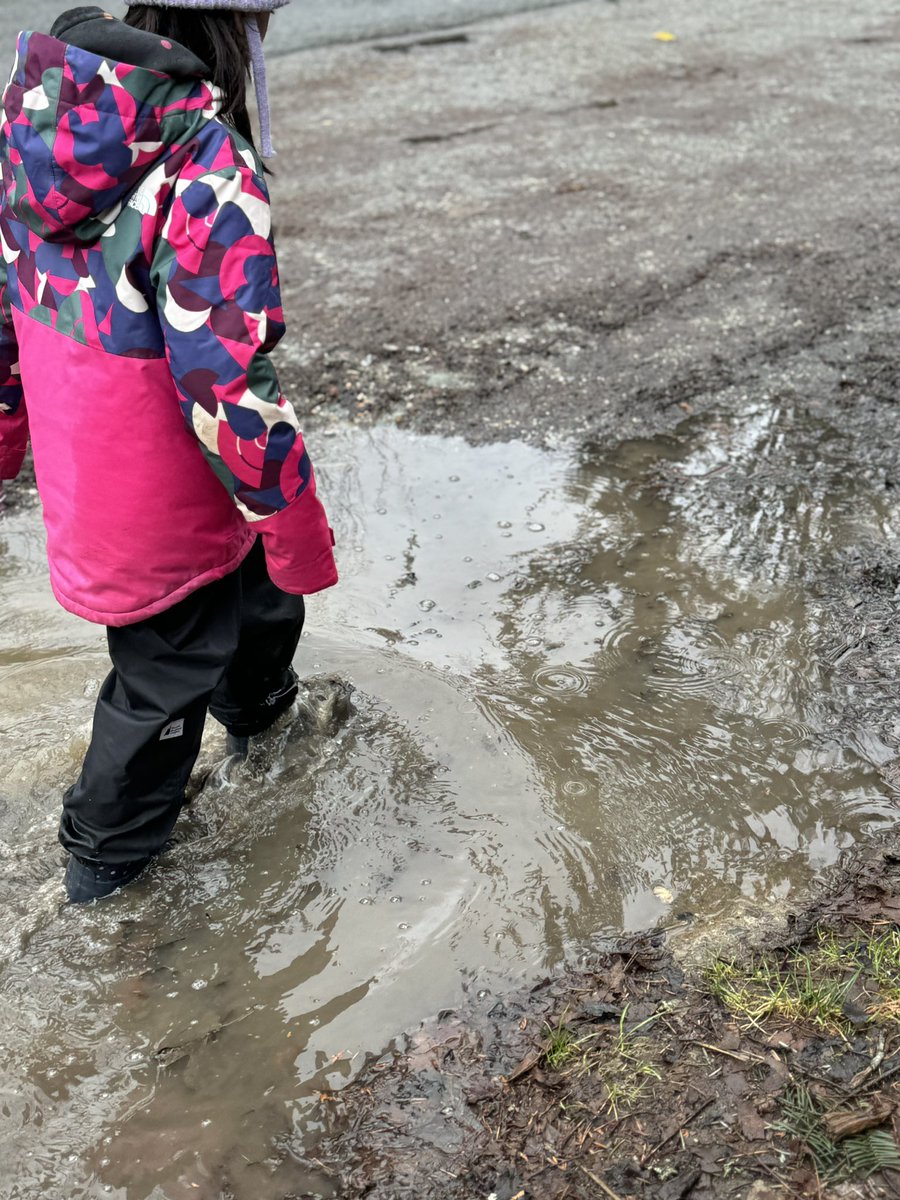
[(175, 730)]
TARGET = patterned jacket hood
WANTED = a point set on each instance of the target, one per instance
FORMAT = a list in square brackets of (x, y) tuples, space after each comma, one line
[(95, 125), (139, 305)]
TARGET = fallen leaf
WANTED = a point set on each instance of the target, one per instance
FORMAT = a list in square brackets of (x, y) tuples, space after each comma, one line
[(482, 1089), (681, 1185), (528, 1062), (752, 1125), (662, 36)]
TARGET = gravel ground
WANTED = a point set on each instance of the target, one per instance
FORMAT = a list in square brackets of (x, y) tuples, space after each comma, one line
[(562, 225), (311, 22)]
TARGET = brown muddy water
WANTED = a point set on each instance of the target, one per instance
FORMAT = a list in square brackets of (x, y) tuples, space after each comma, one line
[(589, 697)]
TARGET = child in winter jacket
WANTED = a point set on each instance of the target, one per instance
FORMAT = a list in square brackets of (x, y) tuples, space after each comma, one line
[(139, 302)]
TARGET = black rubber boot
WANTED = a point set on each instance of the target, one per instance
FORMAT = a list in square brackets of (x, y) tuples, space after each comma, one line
[(91, 881), (237, 747)]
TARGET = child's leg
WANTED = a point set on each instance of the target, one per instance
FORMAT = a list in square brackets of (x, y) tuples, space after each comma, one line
[(260, 683), (147, 726)]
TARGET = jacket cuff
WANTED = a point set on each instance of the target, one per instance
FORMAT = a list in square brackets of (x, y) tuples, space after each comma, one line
[(314, 576), (299, 546), (11, 459)]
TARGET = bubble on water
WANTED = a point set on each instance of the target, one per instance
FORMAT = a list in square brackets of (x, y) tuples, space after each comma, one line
[(493, 576), (483, 994), (426, 882), (476, 583), (506, 535), (389, 558), (454, 478), (532, 641), (504, 524), (427, 605), (468, 558), (315, 1022), (382, 512), (537, 527), (403, 925), (367, 900), (199, 984), (396, 899)]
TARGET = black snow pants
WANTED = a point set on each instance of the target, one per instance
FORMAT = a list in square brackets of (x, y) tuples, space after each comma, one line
[(227, 648)]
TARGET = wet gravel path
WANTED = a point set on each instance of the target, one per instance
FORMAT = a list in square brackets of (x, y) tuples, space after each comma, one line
[(313, 22)]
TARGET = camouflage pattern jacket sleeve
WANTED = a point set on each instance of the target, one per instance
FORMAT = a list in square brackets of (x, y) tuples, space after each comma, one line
[(13, 420), (216, 282)]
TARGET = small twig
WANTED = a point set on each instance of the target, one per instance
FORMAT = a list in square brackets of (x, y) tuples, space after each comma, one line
[(742, 1057), (877, 1080), (600, 1184), (873, 1066)]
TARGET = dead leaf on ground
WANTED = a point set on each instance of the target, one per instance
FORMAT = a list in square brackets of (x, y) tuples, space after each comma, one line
[(531, 1060), (752, 1125)]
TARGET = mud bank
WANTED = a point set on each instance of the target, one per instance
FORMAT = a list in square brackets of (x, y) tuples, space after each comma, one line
[(774, 1073)]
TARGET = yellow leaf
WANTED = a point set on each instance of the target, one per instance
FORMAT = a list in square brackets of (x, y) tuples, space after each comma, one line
[(662, 36)]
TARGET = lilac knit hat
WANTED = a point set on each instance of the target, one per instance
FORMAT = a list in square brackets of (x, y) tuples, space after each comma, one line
[(257, 57)]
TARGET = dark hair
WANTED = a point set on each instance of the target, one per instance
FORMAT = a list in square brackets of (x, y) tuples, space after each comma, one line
[(219, 38)]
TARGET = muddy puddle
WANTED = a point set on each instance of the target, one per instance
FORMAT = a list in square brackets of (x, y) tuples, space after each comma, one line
[(589, 695)]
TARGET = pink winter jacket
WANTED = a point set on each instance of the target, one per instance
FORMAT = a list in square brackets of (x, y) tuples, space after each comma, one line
[(139, 301)]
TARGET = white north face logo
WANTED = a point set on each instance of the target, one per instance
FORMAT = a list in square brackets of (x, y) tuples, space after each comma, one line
[(173, 730), (143, 202)]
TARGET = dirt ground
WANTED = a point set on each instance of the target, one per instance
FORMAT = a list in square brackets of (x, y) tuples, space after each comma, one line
[(633, 1076)]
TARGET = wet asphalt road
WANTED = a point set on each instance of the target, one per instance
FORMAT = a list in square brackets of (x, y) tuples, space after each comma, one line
[(308, 22)]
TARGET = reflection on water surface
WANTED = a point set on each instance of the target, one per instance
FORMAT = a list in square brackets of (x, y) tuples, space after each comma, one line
[(576, 680)]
